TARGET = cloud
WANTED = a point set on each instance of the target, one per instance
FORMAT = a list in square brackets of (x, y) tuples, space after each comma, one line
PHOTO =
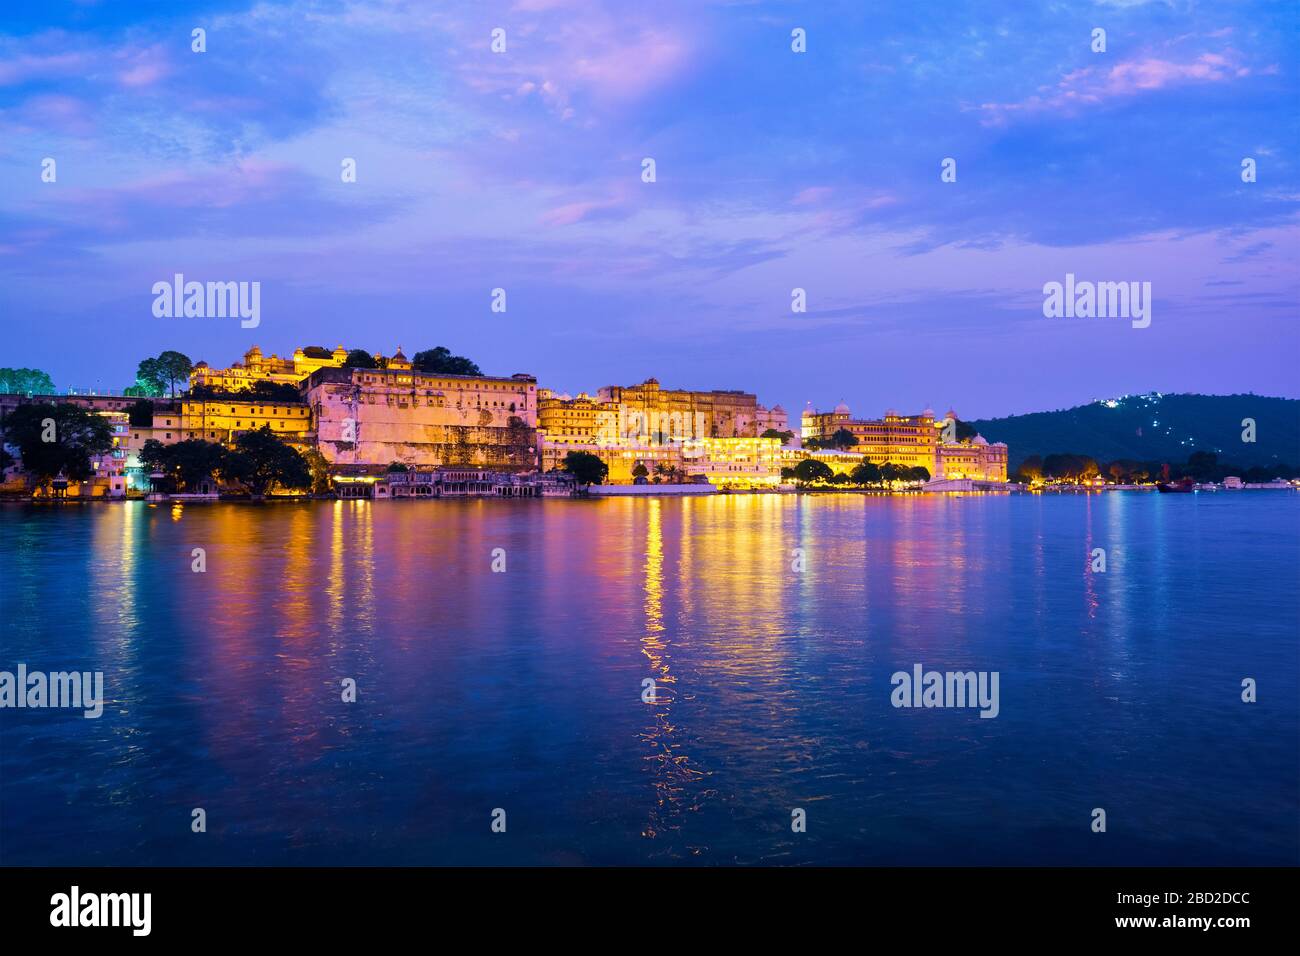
[(1094, 85)]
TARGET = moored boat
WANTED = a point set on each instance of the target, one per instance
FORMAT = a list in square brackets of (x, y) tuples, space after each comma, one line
[(1185, 486)]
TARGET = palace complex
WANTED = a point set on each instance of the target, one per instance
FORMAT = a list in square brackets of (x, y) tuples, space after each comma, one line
[(367, 421)]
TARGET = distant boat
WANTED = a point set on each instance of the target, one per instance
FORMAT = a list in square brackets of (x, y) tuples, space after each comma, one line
[(1185, 486)]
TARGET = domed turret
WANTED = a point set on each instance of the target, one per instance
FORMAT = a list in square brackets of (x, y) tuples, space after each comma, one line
[(841, 409)]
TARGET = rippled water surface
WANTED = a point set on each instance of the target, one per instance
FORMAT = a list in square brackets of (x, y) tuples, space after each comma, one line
[(522, 690)]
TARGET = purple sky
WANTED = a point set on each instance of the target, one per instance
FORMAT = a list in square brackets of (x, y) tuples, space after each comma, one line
[(775, 170)]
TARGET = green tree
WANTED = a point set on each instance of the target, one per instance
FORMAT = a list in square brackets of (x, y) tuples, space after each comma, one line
[(360, 358), (261, 462), (586, 468), (54, 439), (918, 473), (440, 360), (161, 375), (25, 381), (639, 470), (810, 470), (786, 436)]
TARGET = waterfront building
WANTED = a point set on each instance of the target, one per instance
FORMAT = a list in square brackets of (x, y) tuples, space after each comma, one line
[(911, 441), (456, 482), (908, 440), (369, 417), (975, 459), (620, 459), (224, 420), (735, 462)]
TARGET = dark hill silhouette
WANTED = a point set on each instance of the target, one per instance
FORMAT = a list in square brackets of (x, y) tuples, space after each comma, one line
[(1157, 427)]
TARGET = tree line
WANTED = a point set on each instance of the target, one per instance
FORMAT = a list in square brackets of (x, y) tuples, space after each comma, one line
[(810, 471), (1201, 466)]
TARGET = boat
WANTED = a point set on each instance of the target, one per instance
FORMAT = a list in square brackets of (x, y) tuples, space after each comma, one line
[(1185, 486)]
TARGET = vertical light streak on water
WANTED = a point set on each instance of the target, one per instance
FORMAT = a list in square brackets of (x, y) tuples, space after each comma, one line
[(1090, 601)]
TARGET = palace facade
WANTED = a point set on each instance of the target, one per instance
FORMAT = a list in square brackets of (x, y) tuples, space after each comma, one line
[(259, 368), (910, 440), (371, 417)]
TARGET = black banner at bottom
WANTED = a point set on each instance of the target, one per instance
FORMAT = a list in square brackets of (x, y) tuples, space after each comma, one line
[(338, 905)]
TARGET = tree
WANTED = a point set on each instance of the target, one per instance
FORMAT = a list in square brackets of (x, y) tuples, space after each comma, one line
[(918, 473), (1069, 467), (360, 358), (867, 473), (890, 472), (1031, 470), (269, 391), (586, 468), (156, 376), (786, 436), (54, 439), (397, 467), (187, 463), (843, 438), (810, 470), (440, 360), (261, 461), (25, 381), (320, 472), (639, 470)]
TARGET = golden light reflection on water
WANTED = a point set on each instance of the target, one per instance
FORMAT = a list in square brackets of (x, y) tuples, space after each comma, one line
[(672, 772)]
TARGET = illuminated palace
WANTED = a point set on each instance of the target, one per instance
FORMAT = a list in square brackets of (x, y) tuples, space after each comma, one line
[(257, 367), (911, 440), (362, 420), (367, 418), (712, 436)]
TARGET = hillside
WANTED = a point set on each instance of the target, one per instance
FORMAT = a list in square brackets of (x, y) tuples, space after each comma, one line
[(1158, 428)]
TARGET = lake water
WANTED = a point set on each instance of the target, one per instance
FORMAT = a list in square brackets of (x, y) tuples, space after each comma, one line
[(522, 690)]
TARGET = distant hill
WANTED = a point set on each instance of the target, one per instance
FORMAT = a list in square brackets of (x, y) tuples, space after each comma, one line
[(1155, 427)]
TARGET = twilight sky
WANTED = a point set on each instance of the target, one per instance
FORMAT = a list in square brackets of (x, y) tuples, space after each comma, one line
[(775, 170)]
